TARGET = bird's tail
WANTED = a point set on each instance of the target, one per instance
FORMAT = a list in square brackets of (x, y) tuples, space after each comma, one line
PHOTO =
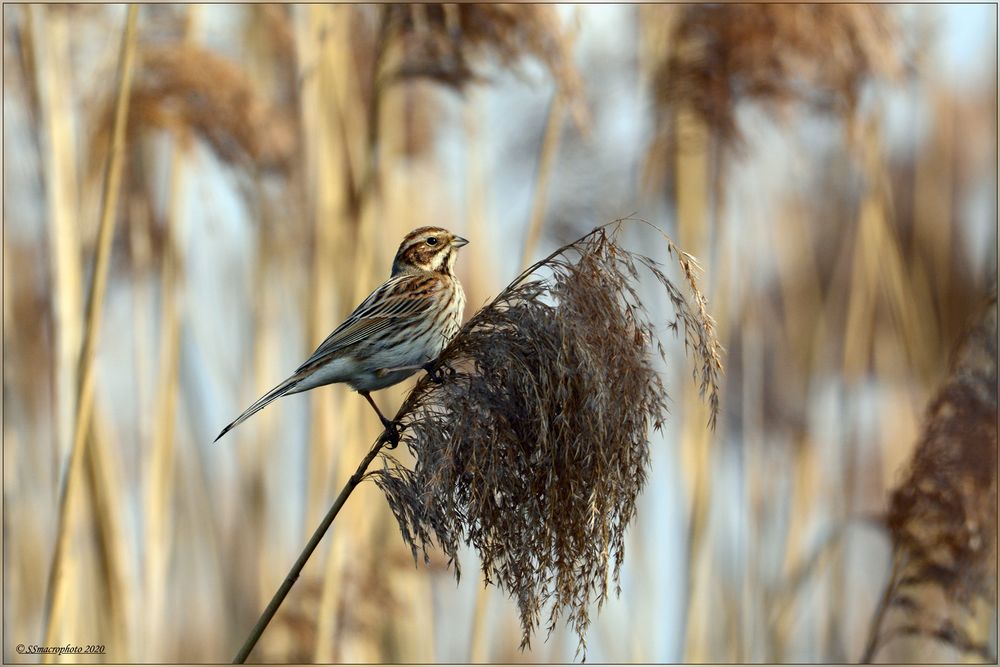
[(284, 388)]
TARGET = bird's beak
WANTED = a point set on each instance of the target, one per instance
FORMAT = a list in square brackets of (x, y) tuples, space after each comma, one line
[(458, 242)]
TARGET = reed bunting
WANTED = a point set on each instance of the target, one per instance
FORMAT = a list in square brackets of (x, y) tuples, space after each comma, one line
[(399, 329)]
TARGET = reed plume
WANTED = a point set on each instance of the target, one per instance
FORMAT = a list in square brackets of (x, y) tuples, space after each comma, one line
[(451, 43), (186, 87), (455, 45), (818, 56), (535, 448), (943, 515)]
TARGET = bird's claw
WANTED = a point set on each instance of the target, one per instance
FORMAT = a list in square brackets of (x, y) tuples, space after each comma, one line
[(391, 434), (439, 374), (434, 373)]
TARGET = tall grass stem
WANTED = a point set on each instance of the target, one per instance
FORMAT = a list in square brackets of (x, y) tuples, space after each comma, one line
[(300, 562), (95, 300)]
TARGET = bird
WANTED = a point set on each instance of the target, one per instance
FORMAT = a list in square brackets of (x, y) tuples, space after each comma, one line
[(399, 329)]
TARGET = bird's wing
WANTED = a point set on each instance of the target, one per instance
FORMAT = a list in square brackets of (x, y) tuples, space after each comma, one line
[(399, 298)]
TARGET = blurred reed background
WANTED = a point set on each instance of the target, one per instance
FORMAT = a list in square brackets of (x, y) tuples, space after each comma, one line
[(832, 167)]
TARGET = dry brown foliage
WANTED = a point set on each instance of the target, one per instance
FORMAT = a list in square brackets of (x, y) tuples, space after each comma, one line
[(817, 55), (181, 86), (535, 447), (943, 515), (449, 42), (456, 44)]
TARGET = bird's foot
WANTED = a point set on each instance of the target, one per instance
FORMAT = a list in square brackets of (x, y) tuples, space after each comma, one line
[(391, 434), (438, 375)]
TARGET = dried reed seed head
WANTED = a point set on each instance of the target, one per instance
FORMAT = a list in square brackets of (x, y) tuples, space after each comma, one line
[(817, 55), (269, 30), (186, 87), (536, 448), (448, 42), (943, 515), (453, 44), (31, 359), (276, 21)]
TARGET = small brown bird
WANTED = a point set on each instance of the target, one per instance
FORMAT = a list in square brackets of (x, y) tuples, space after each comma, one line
[(400, 328)]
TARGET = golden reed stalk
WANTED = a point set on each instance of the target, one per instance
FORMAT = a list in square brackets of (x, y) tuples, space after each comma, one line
[(55, 600)]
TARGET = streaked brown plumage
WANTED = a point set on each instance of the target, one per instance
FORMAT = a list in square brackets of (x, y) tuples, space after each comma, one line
[(402, 326)]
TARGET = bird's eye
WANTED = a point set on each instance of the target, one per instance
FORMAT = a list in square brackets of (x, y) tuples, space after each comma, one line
[(432, 240)]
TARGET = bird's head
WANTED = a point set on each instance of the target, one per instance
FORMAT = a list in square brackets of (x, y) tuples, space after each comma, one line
[(427, 249)]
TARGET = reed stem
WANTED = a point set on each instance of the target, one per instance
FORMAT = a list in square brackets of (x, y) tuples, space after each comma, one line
[(873, 641), (300, 562), (55, 84), (550, 146), (95, 301)]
